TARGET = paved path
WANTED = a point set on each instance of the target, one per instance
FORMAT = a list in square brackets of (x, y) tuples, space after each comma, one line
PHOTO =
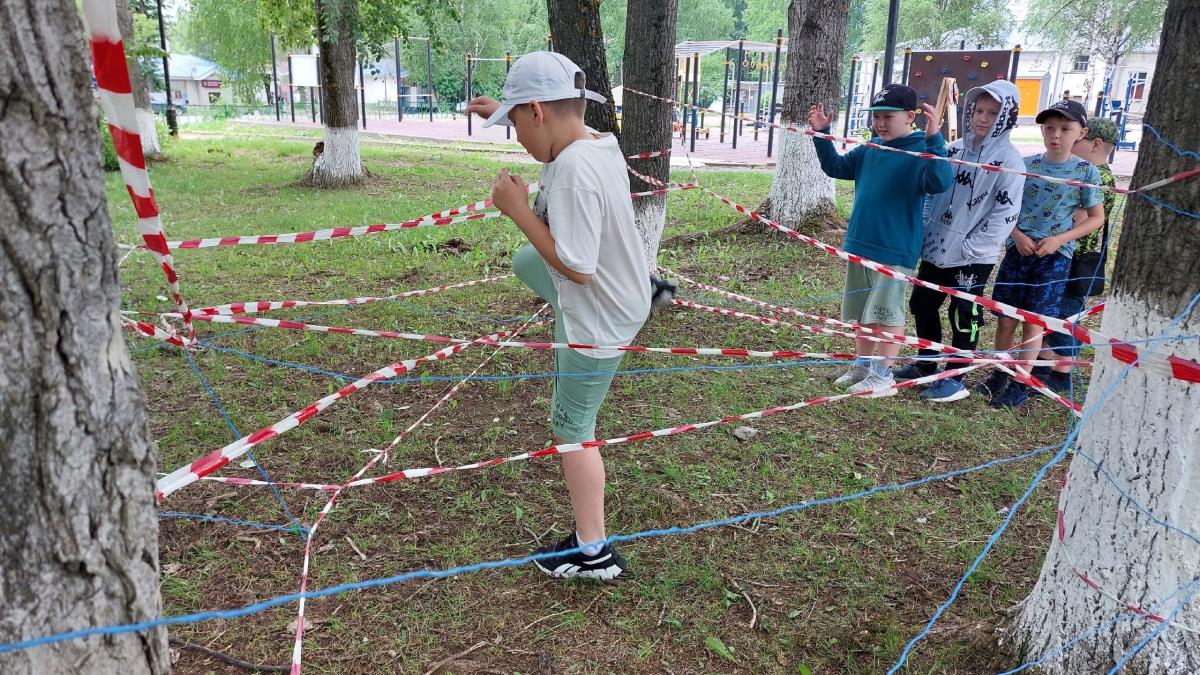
[(750, 153)]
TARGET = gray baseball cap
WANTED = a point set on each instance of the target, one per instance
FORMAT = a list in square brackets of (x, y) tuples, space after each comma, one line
[(539, 76)]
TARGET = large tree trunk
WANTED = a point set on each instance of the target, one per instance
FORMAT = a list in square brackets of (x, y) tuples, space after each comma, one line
[(801, 195), (141, 88), (78, 547), (339, 164), (1147, 436), (575, 26), (649, 67)]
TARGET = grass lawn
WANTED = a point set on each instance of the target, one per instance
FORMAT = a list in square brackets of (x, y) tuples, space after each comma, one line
[(832, 589)]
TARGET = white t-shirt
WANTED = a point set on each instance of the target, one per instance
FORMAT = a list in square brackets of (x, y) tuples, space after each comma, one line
[(584, 198)]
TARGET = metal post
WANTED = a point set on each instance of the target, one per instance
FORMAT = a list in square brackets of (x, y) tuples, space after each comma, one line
[(695, 95), (274, 80), (1016, 58), (889, 50), (774, 89), (874, 77), (169, 109), (849, 99), (683, 101), (362, 94), (907, 62), (549, 43), (429, 77), (762, 61), (291, 91), (725, 96), (312, 103), (399, 104), (507, 67), (470, 84), (737, 91), (320, 89)]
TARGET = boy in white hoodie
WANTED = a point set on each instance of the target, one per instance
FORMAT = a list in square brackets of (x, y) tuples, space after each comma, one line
[(965, 229)]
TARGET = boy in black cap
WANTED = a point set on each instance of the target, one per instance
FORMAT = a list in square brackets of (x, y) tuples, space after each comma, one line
[(1091, 251), (886, 224), (1033, 274)]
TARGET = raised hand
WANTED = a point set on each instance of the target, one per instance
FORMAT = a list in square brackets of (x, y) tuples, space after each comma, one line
[(933, 120), (817, 119)]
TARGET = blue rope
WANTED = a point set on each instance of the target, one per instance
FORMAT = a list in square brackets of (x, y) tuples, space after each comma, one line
[(227, 521), (1170, 207), (497, 564), (1174, 148), (1158, 630), (303, 531), (1104, 627), (1062, 452)]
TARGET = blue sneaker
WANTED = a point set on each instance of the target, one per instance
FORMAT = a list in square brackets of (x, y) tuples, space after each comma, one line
[(994, 385), (1012, 397), (945, 391), (911, 372)]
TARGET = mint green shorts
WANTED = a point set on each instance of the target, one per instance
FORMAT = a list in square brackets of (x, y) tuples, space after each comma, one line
[(582, 381)]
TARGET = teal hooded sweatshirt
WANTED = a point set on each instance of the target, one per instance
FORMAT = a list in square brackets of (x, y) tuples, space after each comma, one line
[(887, 223)]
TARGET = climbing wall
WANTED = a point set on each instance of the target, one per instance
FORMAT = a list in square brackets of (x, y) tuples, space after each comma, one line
[(970, 68)]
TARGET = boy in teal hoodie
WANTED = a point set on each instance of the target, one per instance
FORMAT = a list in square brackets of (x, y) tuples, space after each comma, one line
[(886, 224)]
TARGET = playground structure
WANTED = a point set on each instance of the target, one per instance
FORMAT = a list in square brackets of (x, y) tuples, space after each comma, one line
[(1119, 109)]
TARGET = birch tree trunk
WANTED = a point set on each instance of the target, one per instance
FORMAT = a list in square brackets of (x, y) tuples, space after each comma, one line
[(649, 67), (78, 545), (340, 163), (575, 26), (1147, 435), (801, 195), (141, 88)]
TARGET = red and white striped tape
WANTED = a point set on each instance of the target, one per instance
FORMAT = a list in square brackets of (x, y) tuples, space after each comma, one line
[(193, 471), (116, 97), (266, 306), (329, 233), (962, 355), (1183, 175), (565, 448), (297, 646), (1169, 366), (453, 216), (397, 335), (1003, 362), (648, 155)]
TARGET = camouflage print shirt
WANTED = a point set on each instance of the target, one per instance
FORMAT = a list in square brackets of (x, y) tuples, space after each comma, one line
[(1092, 241)]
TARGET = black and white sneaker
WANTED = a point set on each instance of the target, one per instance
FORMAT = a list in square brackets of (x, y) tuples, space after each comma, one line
[(605, 565), (662, 292)]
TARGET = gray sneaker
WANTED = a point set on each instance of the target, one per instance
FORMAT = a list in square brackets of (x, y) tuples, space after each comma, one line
[(857, 373), (874, 380)]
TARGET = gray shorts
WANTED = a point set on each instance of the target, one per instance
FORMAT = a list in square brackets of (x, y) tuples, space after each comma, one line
[(871, 297)]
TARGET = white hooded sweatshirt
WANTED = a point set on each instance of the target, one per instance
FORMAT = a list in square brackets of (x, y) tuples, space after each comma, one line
[(969, 223)]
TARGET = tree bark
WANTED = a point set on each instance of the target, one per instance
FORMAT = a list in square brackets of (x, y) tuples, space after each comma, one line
[(141, 88), (801, 195), (575, 26), (649, 67), (340, 163), (1147, 436), (78, 547)]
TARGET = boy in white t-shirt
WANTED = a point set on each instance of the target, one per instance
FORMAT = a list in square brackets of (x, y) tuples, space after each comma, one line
[(584, 257)]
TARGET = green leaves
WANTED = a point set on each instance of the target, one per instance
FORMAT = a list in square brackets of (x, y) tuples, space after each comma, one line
[(715, 645)]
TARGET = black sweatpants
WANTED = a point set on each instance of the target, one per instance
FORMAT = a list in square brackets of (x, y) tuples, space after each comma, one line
[(965, 317)]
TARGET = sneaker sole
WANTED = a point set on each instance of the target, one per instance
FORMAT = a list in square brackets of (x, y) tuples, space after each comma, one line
[(882, 394), (956, 396), (569, 571)]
